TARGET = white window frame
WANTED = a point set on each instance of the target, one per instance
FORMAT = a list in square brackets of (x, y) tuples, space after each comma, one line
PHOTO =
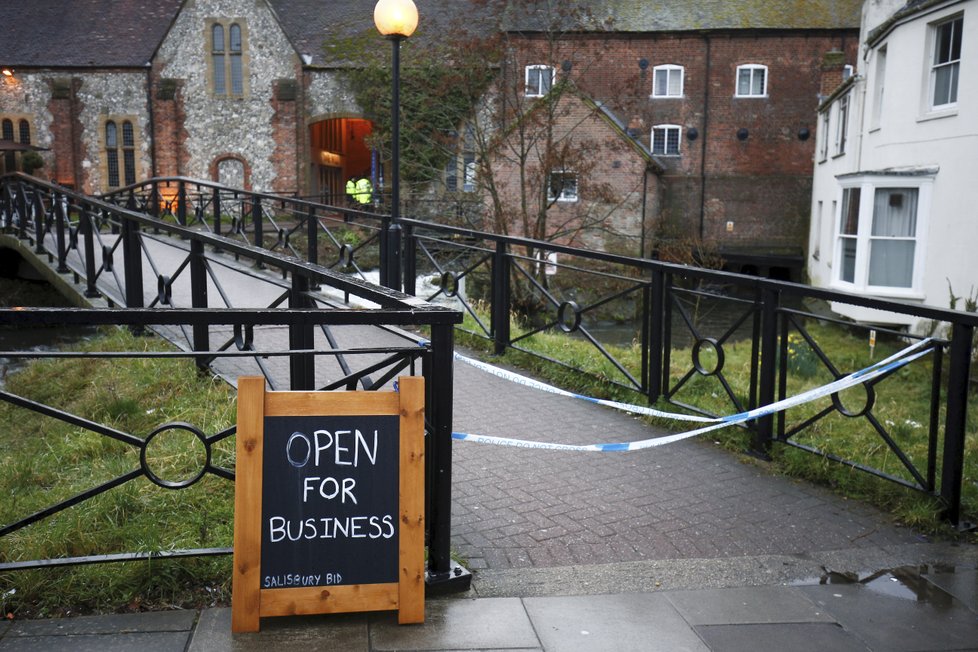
[(863, 238), (823, 133), (752, 68), (567, 194), (843, 113), (952, 64), (667, 129), (668, 70), (536, 90), (879, 88)]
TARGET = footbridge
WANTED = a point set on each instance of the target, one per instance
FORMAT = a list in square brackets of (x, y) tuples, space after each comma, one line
[(317, 297)]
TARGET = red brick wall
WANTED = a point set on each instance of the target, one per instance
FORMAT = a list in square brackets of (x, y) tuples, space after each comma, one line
[(168, 129), (285, 133), (66, 145), (761, 184)]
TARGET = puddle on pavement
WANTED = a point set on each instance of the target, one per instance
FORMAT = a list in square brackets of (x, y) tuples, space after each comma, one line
[(904, 582)]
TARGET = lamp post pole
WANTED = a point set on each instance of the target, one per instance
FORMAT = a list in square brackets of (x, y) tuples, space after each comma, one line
[(393, 279)]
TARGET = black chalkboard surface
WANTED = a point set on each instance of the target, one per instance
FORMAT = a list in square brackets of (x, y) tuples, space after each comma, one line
[(329, 501)]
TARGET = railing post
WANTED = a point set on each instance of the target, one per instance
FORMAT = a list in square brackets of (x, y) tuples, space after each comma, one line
[(439, 383), (302, 366), (133, 261), (958, 381), (312, 236), (385, 223), (216, 203), (154, 199), (499, 317), (88, 234), (764, 426), (198, 297), (394, 257), (39, 221), (22, 208), (256, 221), (60, 224), (182, 203), (655, 309), (410, 260)]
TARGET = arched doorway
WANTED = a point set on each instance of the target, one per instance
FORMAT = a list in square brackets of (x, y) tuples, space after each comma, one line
[(339, 152)]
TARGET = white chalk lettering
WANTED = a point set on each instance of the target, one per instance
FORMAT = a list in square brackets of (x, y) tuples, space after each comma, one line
[(347, 446), (327, 527), (299, 461), (330, 488)]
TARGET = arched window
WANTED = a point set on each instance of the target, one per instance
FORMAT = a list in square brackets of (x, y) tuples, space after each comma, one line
[(8, 129), (25, 132), (227, 52), (112, 153), (119, 143)]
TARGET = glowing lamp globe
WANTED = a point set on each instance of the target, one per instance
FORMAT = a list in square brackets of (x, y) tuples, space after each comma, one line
[(396, 17)]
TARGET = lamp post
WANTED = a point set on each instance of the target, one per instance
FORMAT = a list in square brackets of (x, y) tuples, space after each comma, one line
[(396, 20)]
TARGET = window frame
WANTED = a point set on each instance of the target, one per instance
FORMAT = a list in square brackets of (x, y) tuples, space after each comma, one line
[(538, 91), (953, 64), (119, 162), (668, 69), (867, 186), (843, 105), (752, 67), (667, 128), (565, 197), (227, 64)]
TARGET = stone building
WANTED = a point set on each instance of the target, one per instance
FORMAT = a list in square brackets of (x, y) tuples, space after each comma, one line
[(243, 92)]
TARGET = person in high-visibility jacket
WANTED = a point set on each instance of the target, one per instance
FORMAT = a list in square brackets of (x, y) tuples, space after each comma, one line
[(364, 191), (351, 190)]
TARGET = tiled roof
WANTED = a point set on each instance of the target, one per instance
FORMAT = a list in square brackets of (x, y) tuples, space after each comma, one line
[(86, 33), (310, 23)]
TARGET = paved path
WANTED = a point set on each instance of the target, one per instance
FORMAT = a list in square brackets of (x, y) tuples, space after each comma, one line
[(517, 510), (897, 612)]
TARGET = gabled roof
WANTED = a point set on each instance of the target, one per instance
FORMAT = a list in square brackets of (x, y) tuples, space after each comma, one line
[(83, 33)]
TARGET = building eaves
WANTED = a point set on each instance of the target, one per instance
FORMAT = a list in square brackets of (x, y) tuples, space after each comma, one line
[(621, 129), (840, 90), (909, 10)]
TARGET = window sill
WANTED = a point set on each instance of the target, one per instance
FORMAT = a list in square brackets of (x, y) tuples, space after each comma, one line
[(879, 292), (839, 155), (938, 114), (667, 97), (751, 97)]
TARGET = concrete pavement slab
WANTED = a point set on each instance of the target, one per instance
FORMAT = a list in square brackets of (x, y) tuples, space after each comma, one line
[(898, 624), (777, 637), (745, 606), (144, 642), (611, 623), (331, 632), (493, 623)]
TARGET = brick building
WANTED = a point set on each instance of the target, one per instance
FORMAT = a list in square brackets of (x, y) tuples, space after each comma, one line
[(242, 91)]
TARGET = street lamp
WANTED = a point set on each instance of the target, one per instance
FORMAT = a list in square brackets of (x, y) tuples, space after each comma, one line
[(396, 20)]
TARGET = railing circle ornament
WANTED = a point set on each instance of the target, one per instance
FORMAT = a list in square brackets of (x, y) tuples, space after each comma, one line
[(449, 284), (867, 405), (569, 317), (194, 476), (164, 289), (346, 256), (703, 348)]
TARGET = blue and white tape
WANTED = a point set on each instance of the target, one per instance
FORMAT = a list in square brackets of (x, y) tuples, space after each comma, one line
[(880, 368)]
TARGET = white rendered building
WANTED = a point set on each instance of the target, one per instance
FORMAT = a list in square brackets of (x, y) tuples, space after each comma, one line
[(895, 191)]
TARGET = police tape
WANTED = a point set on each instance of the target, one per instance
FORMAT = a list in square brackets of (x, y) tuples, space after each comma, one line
[(883, 367)]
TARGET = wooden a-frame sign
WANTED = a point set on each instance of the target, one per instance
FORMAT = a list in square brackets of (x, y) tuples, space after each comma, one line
[(328, 503)]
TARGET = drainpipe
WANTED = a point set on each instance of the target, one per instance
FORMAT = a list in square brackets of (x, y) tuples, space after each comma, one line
[(706, 134), (151, 120)]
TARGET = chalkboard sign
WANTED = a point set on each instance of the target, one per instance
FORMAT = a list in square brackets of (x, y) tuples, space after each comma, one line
[(328, 503)]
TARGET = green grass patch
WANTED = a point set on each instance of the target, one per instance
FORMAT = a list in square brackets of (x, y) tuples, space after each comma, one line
[(48, 460)]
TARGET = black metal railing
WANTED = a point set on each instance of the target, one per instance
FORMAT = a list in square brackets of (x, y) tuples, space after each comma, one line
[(663, 331), (303, 314)]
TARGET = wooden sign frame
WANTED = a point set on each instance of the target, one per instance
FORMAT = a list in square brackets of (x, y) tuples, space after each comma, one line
[(250, 602)]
